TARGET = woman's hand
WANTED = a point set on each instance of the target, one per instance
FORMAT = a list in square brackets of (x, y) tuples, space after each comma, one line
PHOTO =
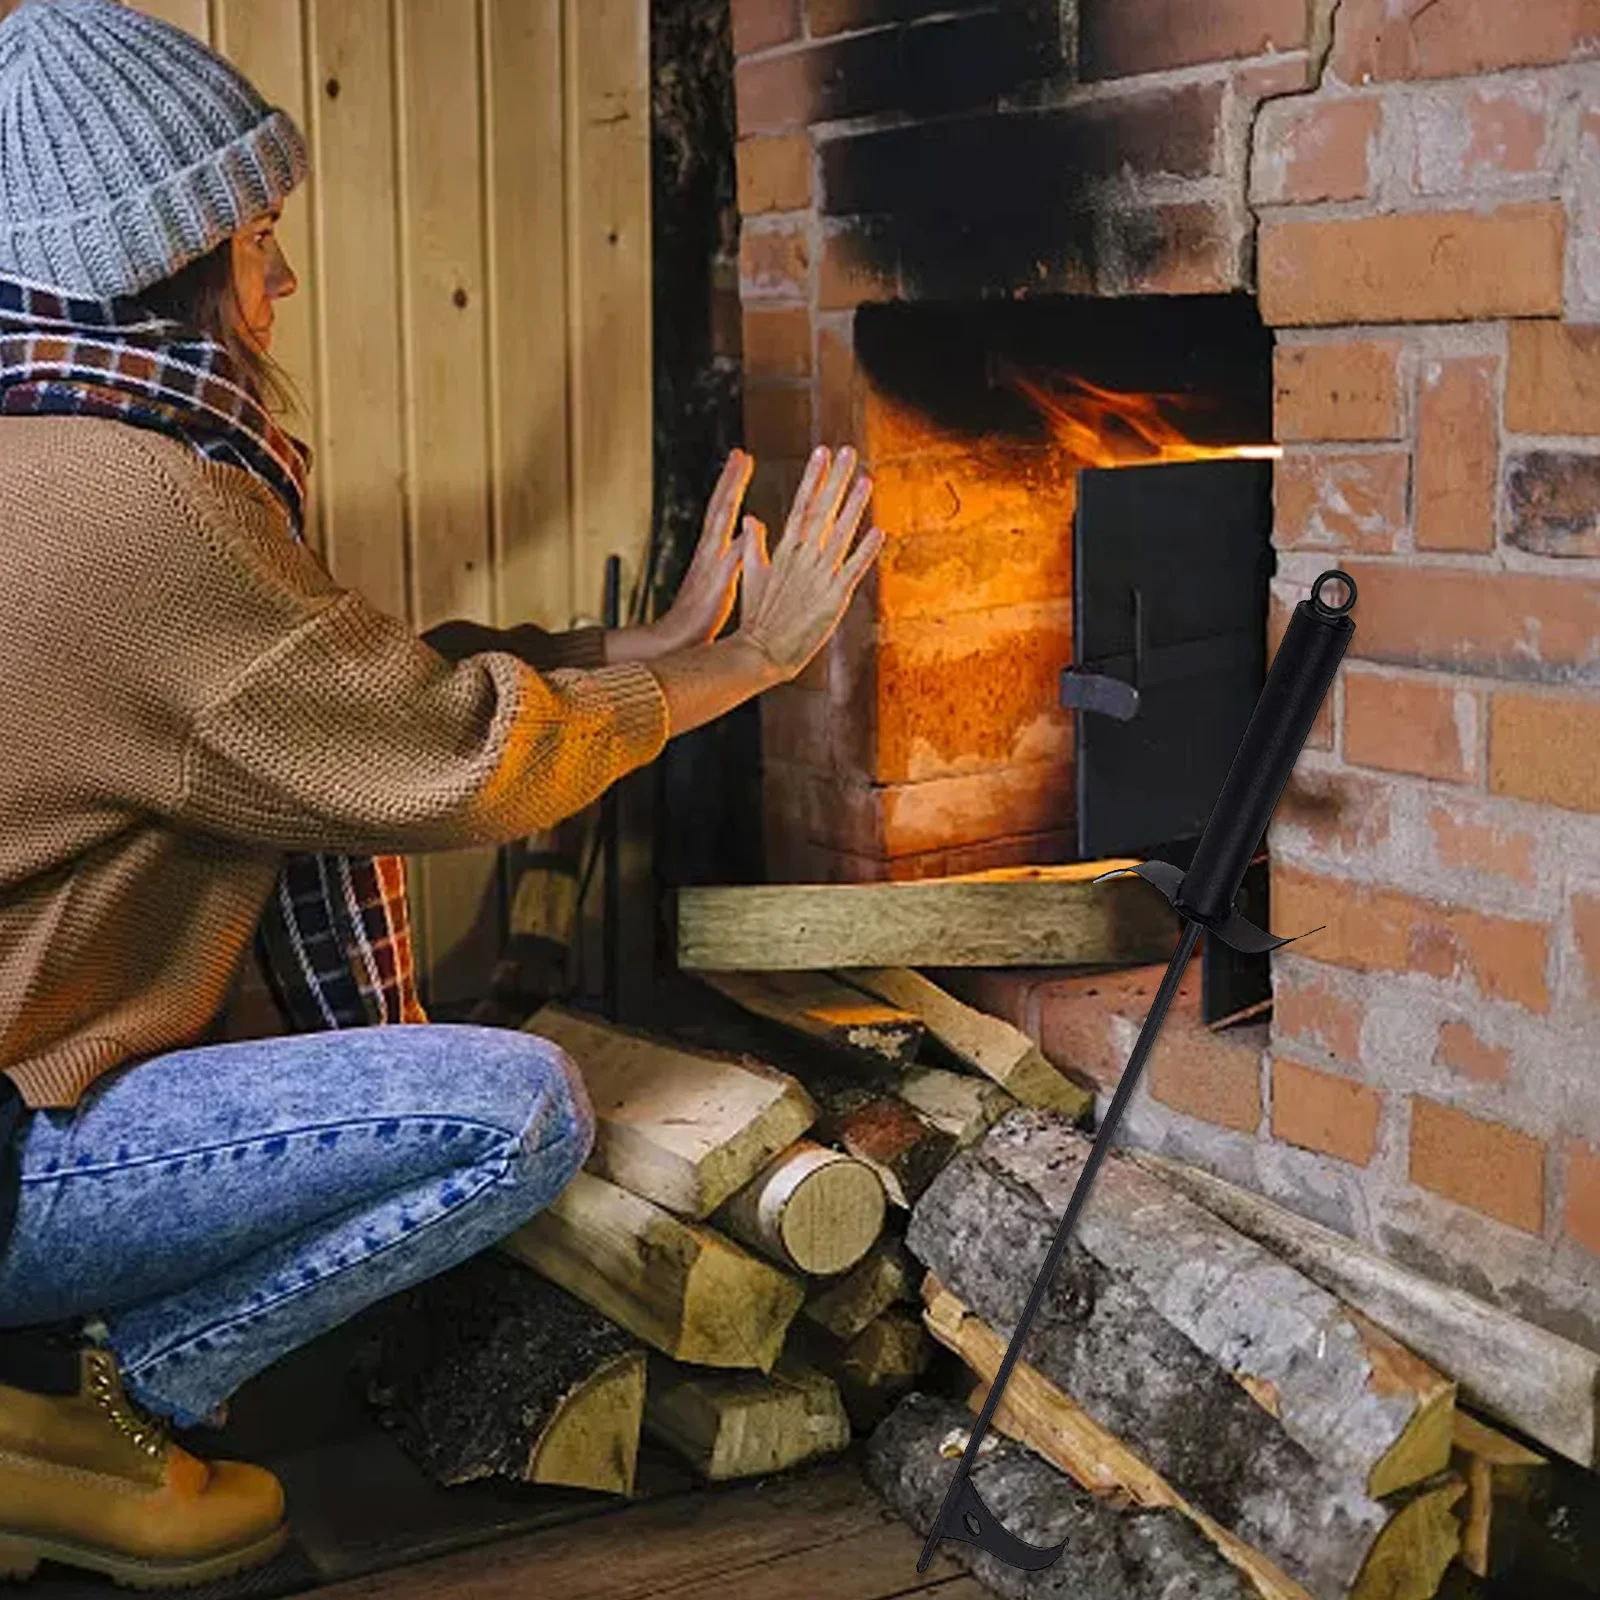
[(795, 598), (705, 597)]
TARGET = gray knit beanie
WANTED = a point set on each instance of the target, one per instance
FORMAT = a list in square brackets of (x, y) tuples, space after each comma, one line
[(127, 148)]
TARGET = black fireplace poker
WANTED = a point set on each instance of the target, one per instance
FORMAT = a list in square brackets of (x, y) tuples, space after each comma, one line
[(1302, 673)]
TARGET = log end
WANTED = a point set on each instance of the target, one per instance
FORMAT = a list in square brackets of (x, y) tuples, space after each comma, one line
[(592, 1442)]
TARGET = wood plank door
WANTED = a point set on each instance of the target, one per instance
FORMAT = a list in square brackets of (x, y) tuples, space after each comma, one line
[(471, 342)]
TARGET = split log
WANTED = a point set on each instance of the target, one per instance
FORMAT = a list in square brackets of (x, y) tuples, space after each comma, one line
[(490, 1371), (1407, 1558), (682, 1288), (743, 1424), (1155, 1319), (901, 1145), (985, 1044), (1111, 1553), (683, 1128), (880, 1366), (962, 1106), (811, 1209), (821, 1008), (1541, 1384), (1028, 917), (883, 1278), (1502, 1479)]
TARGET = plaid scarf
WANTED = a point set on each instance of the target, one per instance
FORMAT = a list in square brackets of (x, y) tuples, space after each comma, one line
[(334, 944)]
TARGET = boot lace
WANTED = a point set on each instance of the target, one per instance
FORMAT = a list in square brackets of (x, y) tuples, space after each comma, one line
[(146, 1433)]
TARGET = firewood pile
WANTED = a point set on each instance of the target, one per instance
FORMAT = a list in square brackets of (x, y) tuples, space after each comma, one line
[(817, 1202)]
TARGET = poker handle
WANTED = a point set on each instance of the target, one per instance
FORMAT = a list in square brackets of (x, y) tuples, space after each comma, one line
[(1302, 673)]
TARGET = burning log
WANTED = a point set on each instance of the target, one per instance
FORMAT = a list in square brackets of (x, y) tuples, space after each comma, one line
[(680, 1287), (682, 1128), (489, 1371), (811, 1209), (743, 1424), (819, 1007), (983, 1043), (1160, 1319), (1111, 1554), (1026, 917)]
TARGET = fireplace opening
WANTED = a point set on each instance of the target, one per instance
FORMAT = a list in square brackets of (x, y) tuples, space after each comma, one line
[(1065, 638)]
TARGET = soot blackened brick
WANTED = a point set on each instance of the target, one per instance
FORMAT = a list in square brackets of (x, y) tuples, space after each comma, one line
[(968, 62)]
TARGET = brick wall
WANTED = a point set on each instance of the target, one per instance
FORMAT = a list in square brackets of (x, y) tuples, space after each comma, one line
[(1413, 189)]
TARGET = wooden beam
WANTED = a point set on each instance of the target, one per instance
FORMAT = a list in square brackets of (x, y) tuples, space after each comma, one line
[(985, 1044), (1046, 917), (810, 1209), (683, 1128), (490, 1371), (821, 1008), (682, 1288), (1238, 1380), (744, 1424), (1541, 1384)]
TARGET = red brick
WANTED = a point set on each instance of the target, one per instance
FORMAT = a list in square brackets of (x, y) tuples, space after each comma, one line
[(1320, 1111), (1458, 454), (1312, 151), (1490, 1168), (1553, 503), (1345, 813), (1083, 1022), (1470, 143), (775, 263), (1463, 1051), (1308, 1009), (777, 419), (1188, 247), (760, 24), (1475, 620), (1209, 1076), (1371, 929), (1390, 39), (727, 324), (839, 415), (774, 174), (1581, 1214), (852, 271), (1553, 379), (1351, 500), (772, 488), (1411, 725), (1545, 748), (1123, 38), (1438, 266), (949, 813), (774, 93), (1337, 391), (1586, 929), (795, 727), (1265, 80), (1483, 847), (777, 341), (1321, 735)]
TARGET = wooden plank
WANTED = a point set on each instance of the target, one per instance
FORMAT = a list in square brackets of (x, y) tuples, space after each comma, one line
[(357, 279), (822, 1008), (265, 39), (985, 1044), (810, 1209), (491, 1371), (1541, 1384), (746, 1424), (720, 1535), (1046, 919), (607, 46), (685, 1290), (682, 1128), (1501, 1475), (458, 913), (528, 311)]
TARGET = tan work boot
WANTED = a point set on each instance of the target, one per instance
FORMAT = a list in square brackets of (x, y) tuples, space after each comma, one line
[(88, 1480)]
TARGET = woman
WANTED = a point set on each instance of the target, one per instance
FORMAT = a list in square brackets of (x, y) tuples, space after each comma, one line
[(213, 752)]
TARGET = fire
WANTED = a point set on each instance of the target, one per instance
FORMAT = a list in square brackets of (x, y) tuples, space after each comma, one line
[(1103, 428)]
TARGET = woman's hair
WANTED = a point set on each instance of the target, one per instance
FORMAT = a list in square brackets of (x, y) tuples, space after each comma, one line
[(200, 299)]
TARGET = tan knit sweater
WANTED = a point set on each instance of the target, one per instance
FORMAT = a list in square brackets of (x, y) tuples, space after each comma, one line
[(186, 694)]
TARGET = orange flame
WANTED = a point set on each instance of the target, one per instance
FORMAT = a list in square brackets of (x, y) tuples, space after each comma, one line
[(1103, 428)]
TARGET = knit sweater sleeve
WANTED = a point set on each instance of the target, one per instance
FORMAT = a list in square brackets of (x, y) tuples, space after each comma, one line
[(337, 728)]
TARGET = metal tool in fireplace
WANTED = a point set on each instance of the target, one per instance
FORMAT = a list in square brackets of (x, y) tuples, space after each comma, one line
[(1206, 898)]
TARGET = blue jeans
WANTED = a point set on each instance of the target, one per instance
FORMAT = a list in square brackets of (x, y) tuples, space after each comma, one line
[(217, 1207)]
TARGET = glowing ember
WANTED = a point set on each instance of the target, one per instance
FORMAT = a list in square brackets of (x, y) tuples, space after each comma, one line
[(1103, 428)]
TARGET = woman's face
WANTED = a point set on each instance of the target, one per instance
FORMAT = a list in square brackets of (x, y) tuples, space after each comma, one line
[(261, 274)]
